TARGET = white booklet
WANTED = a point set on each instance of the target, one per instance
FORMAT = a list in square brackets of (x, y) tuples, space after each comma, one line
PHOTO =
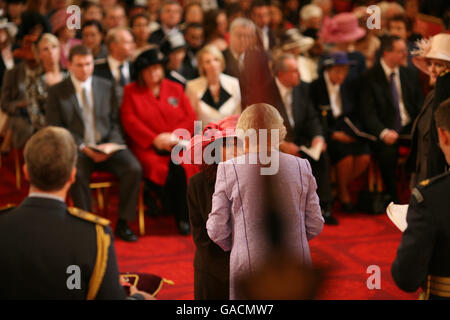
[(397, 214), (315, 152), (358, 132), (107, 148)]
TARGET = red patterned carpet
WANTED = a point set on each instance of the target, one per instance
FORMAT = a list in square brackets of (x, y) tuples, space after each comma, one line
[(344, 251)]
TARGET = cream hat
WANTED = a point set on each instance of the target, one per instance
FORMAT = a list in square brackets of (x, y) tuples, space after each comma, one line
[(436, 47)]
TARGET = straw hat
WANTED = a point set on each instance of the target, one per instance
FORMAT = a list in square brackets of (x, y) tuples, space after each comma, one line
[(343, 27), (436, 47), (9, 26), (292, 38)]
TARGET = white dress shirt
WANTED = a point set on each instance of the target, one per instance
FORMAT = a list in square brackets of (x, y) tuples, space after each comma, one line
[(286, 96), (405, 118), (79, 86), (114, 66), (334, 93)]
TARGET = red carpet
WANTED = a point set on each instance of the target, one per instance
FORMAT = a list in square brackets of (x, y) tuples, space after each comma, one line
[(344, 252)]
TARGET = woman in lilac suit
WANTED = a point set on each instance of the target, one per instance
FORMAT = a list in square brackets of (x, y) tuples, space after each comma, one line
[(237, 220)]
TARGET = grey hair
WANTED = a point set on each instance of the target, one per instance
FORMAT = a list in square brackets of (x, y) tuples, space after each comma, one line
[(279, 65), (112, 35), (242, 22)]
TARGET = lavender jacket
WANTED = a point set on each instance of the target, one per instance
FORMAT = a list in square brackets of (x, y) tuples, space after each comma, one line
[(236, 221)]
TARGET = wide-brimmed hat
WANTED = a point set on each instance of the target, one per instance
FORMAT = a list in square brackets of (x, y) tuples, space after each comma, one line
[(213, 132), (292, 38), (343, 27), (436, 47), (172, 42), (9, 26), (337, 59), (148, 58)]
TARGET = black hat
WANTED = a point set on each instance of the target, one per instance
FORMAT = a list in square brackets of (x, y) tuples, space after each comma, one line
[(173, 41), (147, 58)]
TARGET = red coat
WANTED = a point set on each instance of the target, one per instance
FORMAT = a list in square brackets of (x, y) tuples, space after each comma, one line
[(144, 117)]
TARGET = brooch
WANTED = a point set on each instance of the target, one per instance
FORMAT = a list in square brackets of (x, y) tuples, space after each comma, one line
[(173, 101)]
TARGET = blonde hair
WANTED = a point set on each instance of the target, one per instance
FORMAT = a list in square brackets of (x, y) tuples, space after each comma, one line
[(261, 116), (50, 38), (213, 50)]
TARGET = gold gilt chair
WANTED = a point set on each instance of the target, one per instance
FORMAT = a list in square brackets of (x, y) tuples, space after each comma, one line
[(101, 181)]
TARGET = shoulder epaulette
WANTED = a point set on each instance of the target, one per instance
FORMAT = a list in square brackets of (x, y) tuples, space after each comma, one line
[(7, 208), (88, 216), (443, 73), (431, 181)]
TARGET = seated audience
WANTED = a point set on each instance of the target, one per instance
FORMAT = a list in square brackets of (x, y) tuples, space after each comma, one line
[(260, 15), (92, 37), (291, 97), (194, 36), (152, 109), (117, 67), (24, 89), (399, 26), (174, 49), (422, 257), (54, 241), (342, 31), (242, 32), (66, 36), (214, 95), (240, 187), (335, 98), (215, 25), (139, 25), (311, 17), (86, 105), (390, 100), (115, 16), (432, 58), (92, 11), (170, 17)]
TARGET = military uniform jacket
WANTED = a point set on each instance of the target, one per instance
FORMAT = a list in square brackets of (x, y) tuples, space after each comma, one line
[(425, 245), (41, 239)]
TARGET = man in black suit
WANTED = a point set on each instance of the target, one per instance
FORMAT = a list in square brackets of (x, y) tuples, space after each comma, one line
[(170, 16), (390, 101), (117, 67), (422, 257), (242, 32), (86, 105), (50, 251), (291, 97), (260, 15)]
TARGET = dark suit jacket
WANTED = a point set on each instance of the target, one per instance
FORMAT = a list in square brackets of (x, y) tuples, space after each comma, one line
[(231, 64), (377, 105), (157, 36), (103, 70), (40, 240), (307, 122), (63, 110), (209, 259), (320, 98)]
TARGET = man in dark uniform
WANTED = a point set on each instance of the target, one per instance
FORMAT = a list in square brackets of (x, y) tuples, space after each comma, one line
[(422, 258), (49, 251)]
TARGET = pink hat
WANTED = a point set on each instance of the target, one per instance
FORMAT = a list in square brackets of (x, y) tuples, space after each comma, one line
[(225, 128), (343, 27), (58, 20), (436, 47)]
